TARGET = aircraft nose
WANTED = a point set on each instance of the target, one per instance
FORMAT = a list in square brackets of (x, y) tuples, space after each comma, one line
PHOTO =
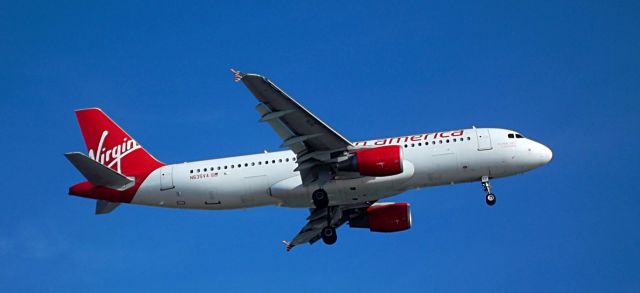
[(541, 154), (546, 154)]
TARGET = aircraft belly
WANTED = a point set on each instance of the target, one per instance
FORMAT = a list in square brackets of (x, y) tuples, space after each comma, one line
[(226, 191), (437, 169), (441, 166), (292, 193)]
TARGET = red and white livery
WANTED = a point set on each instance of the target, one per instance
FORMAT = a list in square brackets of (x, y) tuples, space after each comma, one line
[(339, 180)]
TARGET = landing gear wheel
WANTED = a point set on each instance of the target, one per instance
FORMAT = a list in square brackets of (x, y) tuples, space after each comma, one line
[(329, 235), (320, 198), (490, 199)]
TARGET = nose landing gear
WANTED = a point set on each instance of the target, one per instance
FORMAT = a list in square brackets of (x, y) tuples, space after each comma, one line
[(490, 198)]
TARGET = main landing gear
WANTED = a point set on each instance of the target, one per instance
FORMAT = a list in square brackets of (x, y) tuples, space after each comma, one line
[(321, 201), (329, 235), (320, 198), (490, 198)]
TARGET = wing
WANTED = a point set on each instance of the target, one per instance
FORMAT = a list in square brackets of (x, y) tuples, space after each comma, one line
[(314, 142), (316, 145), (320, 218)]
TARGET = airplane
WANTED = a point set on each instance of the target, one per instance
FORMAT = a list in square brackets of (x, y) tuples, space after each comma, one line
[(339, 181)]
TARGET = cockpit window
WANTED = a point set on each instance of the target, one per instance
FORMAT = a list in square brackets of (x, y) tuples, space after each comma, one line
[(519, 135), (510, 135)]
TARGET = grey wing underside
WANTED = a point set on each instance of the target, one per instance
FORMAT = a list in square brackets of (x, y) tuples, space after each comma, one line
[(318, 219)]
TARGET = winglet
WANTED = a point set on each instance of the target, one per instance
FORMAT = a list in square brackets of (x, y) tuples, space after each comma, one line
[(287, 245), (237, 75)]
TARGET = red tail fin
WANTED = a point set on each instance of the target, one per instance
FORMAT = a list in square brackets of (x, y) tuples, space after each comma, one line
[(108, 144)]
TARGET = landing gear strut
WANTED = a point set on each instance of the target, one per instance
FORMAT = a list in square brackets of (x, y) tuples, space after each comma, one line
[(321, 201), (329, 235), (320, 198), (490, 198)]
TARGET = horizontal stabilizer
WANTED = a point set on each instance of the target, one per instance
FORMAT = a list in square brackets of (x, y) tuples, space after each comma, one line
[(105, 207), (98, 174)]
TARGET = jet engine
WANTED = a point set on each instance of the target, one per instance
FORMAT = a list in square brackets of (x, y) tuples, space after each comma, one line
[(380, 161), (384, 217)]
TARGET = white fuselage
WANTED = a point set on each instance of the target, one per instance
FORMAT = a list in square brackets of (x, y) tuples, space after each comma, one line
[(269, 178)]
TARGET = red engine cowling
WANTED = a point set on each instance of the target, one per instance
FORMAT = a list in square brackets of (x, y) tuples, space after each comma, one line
[(380, 161), (385, 217)]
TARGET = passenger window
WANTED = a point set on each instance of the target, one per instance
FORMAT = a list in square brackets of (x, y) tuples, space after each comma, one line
[(198, 170), (287, 159), (406, 146), (468, 138), (253, 164), (266, 162), (273, 161), (280, 161), (447, 141), (413, 145), (260, 163), (440, 141), (191, 171), (225, 167), (454, 140), (419, 144)]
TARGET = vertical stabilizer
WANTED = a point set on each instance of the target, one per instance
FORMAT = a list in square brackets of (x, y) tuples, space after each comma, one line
[(111, 146)]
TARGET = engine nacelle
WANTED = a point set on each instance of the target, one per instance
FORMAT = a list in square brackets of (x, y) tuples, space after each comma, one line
[(384, 217), (380, 161)]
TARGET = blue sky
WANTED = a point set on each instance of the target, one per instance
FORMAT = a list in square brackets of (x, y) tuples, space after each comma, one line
[(565, 73)]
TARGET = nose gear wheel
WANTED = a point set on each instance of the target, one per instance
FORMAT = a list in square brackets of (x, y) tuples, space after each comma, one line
[(489, 198)]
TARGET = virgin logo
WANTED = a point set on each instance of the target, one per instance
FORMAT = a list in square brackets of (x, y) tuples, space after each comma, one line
[(113, 156)]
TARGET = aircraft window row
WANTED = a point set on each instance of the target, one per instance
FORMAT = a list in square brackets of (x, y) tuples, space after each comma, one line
[(433, 142), (233, 166), (516, 135)]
